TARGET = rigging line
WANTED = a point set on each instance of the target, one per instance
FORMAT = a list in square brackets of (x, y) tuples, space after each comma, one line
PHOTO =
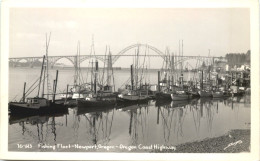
[(32, 86), (113, 78), (142, 76), (126, 82), (79, 71), (104, 67), (30, 91)]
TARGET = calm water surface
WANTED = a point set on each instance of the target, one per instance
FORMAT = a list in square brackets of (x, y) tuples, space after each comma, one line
[(166, 123)]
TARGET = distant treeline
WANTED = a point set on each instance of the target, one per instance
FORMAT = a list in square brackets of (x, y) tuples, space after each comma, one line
[(238, 58)]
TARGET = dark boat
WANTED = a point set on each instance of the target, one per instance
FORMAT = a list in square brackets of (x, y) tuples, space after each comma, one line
[(133, 95), (235, 91), (37, 105), (180, 95), (98, 101), (163, 95), (194, 93), (162, 102), (219, 94), (93, 109), (205, 93), (102, 97)]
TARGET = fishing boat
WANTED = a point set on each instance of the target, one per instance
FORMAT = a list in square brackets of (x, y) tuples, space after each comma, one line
[(103, 96), (133, 95), (163, 92), (204, 92), (180, 95), (193, 91), (37, 104), (79, 89), (98, 100), (219, 92), (235, 91), (166, 84)]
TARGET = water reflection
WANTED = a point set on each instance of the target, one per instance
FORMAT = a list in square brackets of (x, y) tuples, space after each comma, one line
[(166, 123), (138, 122), (98, 123), (44, 124)]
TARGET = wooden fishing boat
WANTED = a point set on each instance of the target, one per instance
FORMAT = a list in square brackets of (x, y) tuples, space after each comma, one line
[(205, 93), (99, 98), (219, 94), (35, 105), (38, 104), (194, 93), (132, 97), (163, 95), (180, 95), (32, 105), (235, 91)]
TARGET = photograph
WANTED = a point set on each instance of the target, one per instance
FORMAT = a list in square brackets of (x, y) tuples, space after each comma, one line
[(152, 81)]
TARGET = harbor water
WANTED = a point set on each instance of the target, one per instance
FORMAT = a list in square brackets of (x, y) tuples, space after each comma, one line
[(136, 128)]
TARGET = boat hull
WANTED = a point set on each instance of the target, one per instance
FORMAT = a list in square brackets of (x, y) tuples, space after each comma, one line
[(179, 97), (20, 108), (194, 94), (132, 100), (219, 95), (205, 94), (163, 96), (95, 103)]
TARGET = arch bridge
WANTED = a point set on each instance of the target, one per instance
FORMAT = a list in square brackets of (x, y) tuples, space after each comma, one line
[(32, 61)]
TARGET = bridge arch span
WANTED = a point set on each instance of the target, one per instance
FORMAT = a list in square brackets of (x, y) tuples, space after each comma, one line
[(160, 53), (68, 58), (89, 57), (26, 60), (190, 58)]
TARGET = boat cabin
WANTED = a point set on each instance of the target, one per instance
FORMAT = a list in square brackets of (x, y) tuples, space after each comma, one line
[(38, 101)]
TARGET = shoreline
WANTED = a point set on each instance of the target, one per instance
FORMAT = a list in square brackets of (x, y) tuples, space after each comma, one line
[(235, 141)]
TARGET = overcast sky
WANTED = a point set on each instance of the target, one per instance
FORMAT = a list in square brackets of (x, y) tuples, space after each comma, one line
[(220, 30)]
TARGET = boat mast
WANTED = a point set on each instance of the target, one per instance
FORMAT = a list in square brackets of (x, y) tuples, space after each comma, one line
[(202, 79), (217, 81), (41, 75), (95, 79), (172, 70), (47, 64), (182, 66), (159, 79), (43, 83), (24, 86), (109, 66), (55, 86), (132, 79), (136, 68)]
